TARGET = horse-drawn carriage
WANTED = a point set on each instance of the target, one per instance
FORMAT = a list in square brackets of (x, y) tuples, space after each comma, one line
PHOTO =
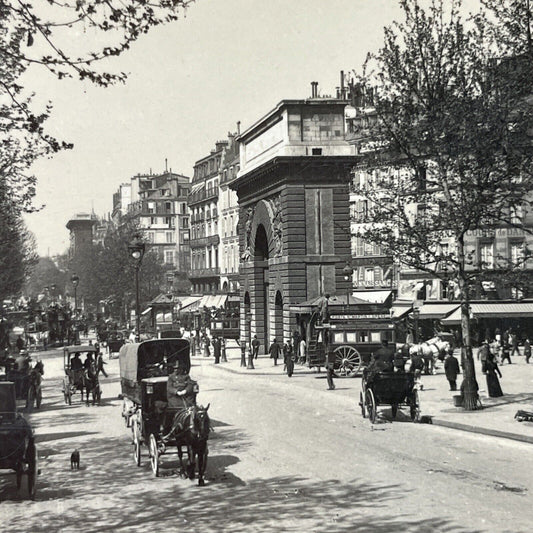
[(17, 442), (80, 376), (144, 371), (26, 378), (396, 389)]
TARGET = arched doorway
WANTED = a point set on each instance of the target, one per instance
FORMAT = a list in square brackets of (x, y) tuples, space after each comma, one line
[(278, 317), (262, 318)]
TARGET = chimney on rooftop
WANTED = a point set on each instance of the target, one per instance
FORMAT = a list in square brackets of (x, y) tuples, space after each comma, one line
[(314, 89), (238, 127)]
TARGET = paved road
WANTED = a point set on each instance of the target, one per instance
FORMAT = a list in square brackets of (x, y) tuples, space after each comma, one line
[(286, 455)]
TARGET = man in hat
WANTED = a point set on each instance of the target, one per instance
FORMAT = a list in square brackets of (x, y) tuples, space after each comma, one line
[(181, 396), (451, 368)]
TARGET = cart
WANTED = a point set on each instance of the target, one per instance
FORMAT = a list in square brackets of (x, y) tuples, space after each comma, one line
[(17, 441), (396, 389), (73, 380)]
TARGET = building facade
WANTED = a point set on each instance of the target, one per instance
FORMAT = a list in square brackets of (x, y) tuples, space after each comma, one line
[(228, 220), (159, 205), (292, 190), (81, 227), (204, 217)]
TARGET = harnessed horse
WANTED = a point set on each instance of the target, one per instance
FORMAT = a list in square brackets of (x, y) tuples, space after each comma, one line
[(190, 429), (91, 383), (430, 351)]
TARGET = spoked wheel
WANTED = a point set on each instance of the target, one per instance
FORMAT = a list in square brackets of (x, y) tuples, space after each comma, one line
[(362, 404), (347, 361), (370, 402), (154, 455), (415, 406), (136, 444), (32, 469)]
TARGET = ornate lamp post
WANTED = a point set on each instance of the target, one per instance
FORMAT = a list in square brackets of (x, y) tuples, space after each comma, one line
[(75, 280), (348, 273), (136, 249)]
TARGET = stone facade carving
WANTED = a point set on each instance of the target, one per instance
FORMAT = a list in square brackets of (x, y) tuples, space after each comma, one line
[(248, 220), (277, 224)]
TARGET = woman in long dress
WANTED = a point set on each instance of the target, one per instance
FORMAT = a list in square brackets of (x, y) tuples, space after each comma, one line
[(492, 372)]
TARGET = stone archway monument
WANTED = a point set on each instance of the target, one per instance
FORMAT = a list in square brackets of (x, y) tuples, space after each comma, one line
[(294, 219)]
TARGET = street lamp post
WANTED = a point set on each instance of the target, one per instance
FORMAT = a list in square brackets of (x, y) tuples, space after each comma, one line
[(75, 280), (136, 249), (348, 273), (416, 314)]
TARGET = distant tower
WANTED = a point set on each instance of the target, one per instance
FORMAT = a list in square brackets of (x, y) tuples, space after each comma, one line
[(81, 232)]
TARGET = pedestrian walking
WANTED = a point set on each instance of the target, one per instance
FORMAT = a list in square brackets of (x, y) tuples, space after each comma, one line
[(303, 351), (255, 347), (216, 349), (288, 357), (493, 384), (274, 351), (100, 364), (451, 369), (207, 346), (506, 353), (527, 349), (483, 354), (514, 344), (330, 369)]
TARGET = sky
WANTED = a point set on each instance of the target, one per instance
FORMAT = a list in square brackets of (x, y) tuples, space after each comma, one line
[(189, 83)]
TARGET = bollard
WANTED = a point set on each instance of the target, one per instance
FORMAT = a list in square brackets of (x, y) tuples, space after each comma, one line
[(250, 361), (243, 355), (223, 350)]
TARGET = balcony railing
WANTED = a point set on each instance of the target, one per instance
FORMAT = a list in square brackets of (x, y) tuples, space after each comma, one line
[(205, 273), (204, 241), (203, 195)]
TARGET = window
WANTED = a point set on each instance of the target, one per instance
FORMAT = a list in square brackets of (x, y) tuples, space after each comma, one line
[(184, 222), (153, 220), (169, 236), (151, 207), (517, 254), (185, 235), (486, 255), (183, 208), (169, 257), (150, 235), (369, 275), (168, 207), (369, 248), (360, 247), (230, 229)]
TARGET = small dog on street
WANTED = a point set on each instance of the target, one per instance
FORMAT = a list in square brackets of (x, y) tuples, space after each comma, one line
[(75, 460)]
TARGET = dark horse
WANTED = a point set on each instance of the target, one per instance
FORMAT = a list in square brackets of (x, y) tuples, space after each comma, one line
[(193, 437), (91, 384), (34, 386)]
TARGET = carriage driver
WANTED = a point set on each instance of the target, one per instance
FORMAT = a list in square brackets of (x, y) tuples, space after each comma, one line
[(181, 394)]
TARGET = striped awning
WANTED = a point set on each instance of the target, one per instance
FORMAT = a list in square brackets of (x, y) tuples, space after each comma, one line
[(493, 310), (213, 300), (437, 310)]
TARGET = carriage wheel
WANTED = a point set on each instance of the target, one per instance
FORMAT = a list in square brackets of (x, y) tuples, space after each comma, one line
[(136, 444), (154, 455), (32, 469), (362, 404), (415, 406), (371, 405), (394, 408), (347, 361)]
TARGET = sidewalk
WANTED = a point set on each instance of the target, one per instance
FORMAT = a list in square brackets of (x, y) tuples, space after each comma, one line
[(436, 401)]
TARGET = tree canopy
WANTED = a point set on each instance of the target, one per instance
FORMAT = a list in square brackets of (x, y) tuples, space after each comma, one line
[(451, 120)]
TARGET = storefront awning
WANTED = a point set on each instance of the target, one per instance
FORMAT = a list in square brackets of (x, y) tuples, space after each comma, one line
[(190, 304), (400, 309), (334, 302), (436, 310), (213, 300), (376, 297), (492, 310)]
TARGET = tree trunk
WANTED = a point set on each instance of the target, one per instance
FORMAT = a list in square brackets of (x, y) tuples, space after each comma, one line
[(469, 387)]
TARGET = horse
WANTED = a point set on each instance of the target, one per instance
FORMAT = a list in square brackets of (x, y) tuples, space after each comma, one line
[(91, 383), (430, 350), (34, 386), (191, 429)]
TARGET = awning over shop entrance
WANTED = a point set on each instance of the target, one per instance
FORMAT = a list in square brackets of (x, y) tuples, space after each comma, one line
[(400, 308), (189, 304), (377, 297), (436, 310), (492, 310), (213, 300), (334, 302)]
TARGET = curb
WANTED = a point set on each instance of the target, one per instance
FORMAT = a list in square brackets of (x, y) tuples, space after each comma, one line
[(481, 430)]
